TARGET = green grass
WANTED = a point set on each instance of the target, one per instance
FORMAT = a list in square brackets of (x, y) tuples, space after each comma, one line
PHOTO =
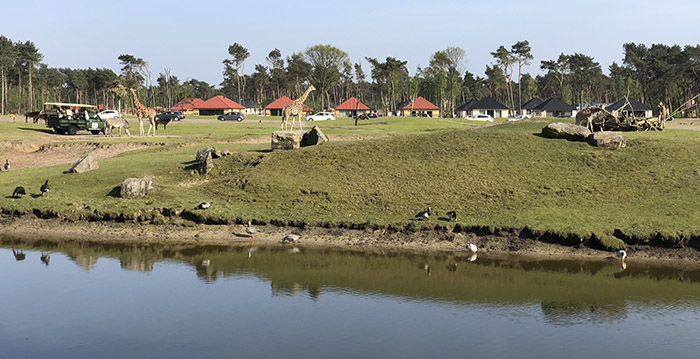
[(503, 176)]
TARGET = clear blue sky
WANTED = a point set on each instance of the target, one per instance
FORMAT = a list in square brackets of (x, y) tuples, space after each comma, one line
[(192, 38)]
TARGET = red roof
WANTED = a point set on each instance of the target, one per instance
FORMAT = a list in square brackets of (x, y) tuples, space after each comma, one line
[(351, 104), (421, 104), (187, 104), (220, 102), (283, 101)]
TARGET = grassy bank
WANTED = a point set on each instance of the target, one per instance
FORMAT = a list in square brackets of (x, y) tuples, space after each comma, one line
[(499, 177)]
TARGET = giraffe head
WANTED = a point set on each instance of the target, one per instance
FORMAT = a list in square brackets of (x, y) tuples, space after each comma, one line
[(311, 88)]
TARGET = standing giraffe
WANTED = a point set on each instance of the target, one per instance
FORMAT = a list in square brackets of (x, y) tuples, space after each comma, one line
[(296, 108), (143, 111)]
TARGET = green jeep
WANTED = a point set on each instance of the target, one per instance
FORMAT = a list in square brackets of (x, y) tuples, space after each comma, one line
[(72, 117)]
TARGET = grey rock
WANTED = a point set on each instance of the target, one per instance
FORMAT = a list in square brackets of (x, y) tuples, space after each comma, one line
[(314, 137), (566, 130), (85, 164), (286, 140), (204, 160), (608, 139), (136, 187)]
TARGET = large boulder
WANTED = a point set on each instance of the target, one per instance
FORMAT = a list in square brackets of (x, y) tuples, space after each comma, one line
[(84, 164), (314, 137), (287, 140), (566, 130), (136, 187), (204, 160), (608, 139)]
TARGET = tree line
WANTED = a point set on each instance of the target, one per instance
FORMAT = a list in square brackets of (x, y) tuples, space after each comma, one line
[(658, 73)]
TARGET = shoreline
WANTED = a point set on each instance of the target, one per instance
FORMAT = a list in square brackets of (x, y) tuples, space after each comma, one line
[(426, 242)]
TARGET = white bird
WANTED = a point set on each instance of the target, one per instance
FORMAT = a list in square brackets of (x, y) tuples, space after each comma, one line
[(290, 238), (472, 247), (621, 254), (204, 205), (251, 230)]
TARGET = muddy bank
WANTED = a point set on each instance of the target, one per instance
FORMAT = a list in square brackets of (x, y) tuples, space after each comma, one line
[(425, 240)]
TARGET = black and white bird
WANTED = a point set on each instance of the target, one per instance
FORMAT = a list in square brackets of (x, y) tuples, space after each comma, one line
[(45, 187), (472, 247), (251, 230), (45, 258), (452, 215), (291, 238), (6, 166), (204, 205), (621, 255), (18, 192), (425, 214)]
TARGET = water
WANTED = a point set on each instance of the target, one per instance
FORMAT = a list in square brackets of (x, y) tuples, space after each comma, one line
[(116, 301)]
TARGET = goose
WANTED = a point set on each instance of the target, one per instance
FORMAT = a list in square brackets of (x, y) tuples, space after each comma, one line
[(7, 165), (204, 205), (45, 258), (621, 254), (452, 215), (290, 238), (424, 215), (472, 247), (251, 230), (18, 192), (45, 187)]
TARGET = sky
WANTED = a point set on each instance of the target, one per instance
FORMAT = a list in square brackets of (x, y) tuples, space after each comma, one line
[(191, 39)]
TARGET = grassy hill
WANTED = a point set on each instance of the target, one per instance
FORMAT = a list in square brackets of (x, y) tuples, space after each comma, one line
[(503, 176)]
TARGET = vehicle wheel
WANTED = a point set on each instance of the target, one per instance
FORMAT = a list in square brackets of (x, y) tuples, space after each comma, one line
[(72, 130), (221, 118), (95, 132), (240, 119)]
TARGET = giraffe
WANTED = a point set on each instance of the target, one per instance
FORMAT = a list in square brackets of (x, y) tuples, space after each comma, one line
[(143, 111), (296, 108)]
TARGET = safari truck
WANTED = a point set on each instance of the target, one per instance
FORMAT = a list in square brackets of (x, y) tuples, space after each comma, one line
[(72, 117)]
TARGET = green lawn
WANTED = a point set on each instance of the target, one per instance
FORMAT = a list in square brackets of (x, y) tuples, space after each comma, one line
[(385, 171)]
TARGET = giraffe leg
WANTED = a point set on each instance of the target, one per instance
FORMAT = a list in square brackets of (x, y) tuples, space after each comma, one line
[(140, 127)]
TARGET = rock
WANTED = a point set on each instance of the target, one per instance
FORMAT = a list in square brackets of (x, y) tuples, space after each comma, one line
[(608, 139), (85, 164), (286, 140), (136, 187), (314, 137), (566, 130), (204, 160)]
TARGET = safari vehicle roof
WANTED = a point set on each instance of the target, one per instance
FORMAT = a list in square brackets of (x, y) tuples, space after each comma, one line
[(62, 104)]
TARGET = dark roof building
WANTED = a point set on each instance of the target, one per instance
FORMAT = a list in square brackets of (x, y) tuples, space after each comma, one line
[(554, 107), (485, 106), (631, 107)]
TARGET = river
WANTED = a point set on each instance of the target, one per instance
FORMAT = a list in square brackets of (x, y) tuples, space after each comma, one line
[(139, 301)]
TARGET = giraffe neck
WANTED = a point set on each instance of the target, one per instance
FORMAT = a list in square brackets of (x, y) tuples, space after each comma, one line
[(137, 104), (304, 96)]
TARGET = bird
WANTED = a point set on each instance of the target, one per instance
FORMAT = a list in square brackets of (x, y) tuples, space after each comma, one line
[(621, 254), (251, 230), (204, 205), (7, 165), (424, 215), (206, 262), (452, 215), (18, 192), (45, 187), (290, 238), (472, 247), (45, 258)]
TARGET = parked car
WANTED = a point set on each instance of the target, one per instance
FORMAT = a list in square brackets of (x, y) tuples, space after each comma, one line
[(321, 116), (231, 116), (103, 115), (518, 118), (179, 114), (167, 116), (480, 118), (373, 115), (419, 115)]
